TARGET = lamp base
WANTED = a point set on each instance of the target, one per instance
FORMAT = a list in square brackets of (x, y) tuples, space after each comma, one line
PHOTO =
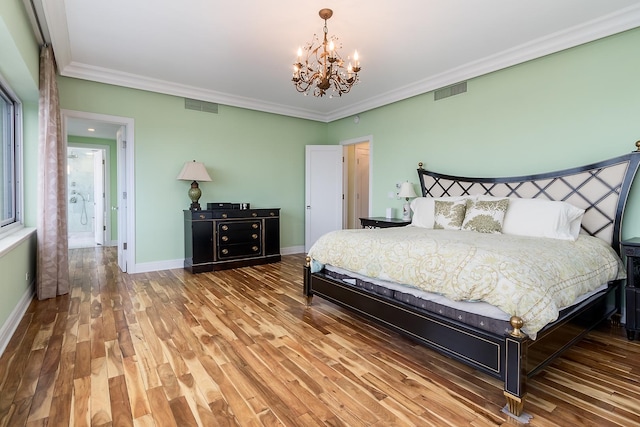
[(406, 211), (194, 195)]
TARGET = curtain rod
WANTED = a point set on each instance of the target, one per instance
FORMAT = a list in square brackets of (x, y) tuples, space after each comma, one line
[(37, 25)]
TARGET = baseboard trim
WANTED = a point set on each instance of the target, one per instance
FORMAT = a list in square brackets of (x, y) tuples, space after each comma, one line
[(179, 263), (155, 266), (292, 250), (12, 322)]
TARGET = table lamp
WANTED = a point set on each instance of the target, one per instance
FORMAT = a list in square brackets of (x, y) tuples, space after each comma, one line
[(194, 171), (407, 191)]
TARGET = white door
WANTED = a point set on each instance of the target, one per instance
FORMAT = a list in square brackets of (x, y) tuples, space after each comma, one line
[(98, 196), (323, 191), (122, 199)]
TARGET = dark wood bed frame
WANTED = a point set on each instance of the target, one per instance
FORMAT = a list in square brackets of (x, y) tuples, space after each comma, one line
[(601, 189)]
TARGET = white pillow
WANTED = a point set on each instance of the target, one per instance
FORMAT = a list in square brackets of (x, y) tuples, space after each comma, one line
[(424, 209), (542, 218)]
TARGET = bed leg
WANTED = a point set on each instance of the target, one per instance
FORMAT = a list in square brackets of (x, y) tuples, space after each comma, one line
[(616, 318), (306, 290), (515, 377), (515, 404)]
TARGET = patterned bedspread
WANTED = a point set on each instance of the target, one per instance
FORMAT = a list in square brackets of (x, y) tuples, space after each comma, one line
[(525, 276)]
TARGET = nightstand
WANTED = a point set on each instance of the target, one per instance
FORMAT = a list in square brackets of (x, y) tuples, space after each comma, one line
[(631, 248), (381, 222)]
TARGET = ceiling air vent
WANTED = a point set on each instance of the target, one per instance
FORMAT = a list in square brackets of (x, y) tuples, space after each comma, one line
[(448, 91), (194, 104)]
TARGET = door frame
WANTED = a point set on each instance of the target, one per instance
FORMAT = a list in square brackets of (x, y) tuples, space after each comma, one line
[(345, 172), (127, 171)]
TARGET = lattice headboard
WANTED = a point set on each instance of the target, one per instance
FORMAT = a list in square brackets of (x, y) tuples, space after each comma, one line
[(601, 189)]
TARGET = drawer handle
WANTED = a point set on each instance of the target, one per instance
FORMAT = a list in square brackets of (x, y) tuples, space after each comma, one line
[(225, 251), (254, 248), (224, 215), (225, 227), (272, 213), (254, 225), (254, 214), (225, 238), (254, 236), (202, 216)]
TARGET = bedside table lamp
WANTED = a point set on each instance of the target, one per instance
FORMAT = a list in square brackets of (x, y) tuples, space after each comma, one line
[(194, 171), (407, 191)]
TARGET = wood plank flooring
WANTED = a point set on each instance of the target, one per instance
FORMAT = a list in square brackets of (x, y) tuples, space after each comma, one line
[(239, 348)]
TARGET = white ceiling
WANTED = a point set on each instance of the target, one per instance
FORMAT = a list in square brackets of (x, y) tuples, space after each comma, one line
[(91, 128), (241, 52)]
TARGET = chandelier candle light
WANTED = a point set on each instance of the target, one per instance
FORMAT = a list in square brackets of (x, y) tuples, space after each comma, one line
[(323, 66)]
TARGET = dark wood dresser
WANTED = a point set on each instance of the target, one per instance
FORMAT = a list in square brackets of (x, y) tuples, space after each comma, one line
[(631, 249), (230, 238)]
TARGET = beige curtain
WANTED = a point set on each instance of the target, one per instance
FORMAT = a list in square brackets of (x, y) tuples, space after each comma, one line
[(53, 265)]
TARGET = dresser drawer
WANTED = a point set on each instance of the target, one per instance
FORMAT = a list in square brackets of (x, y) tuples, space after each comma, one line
[(244, 213), (239, 236), (201, 215), (241, 250), (266, 213), (237, 228)]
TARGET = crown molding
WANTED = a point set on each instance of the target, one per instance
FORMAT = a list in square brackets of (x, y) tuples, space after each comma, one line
[(622, 20), (119, 78)]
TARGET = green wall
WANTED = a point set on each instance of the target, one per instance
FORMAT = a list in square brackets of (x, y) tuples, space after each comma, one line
[(251, 156), (19, 66), (113, 174), (564, 110)]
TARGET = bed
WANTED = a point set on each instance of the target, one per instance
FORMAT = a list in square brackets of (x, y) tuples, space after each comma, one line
[(503, 347)]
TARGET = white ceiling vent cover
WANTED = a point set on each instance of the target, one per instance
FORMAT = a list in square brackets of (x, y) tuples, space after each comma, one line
[(207, 107), (448, 91)]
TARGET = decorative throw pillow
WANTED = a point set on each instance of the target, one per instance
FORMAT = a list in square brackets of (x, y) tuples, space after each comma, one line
[(424, 209), (485, 216), (448, 215)]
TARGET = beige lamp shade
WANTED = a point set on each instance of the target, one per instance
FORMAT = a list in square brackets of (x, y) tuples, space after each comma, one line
[(194, 172), (407, 191)]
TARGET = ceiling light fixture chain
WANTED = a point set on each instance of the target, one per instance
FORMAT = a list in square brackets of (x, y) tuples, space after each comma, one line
[(323, 67)]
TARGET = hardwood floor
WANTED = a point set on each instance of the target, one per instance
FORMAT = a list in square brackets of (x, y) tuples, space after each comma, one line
[(239, 348)]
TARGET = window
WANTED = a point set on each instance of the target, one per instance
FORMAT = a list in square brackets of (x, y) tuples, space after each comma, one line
[(10, 108)]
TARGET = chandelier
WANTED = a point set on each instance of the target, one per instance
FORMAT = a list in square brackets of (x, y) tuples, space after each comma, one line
[(323, 67)]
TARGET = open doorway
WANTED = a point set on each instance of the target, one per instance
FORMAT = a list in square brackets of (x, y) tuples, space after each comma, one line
[(88, 195), (356, 181)]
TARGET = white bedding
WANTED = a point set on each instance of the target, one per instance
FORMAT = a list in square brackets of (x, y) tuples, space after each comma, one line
[(533, 278)]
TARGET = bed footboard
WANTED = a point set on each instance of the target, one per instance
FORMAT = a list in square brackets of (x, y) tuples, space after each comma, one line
[(502, 357), (512, 357)]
